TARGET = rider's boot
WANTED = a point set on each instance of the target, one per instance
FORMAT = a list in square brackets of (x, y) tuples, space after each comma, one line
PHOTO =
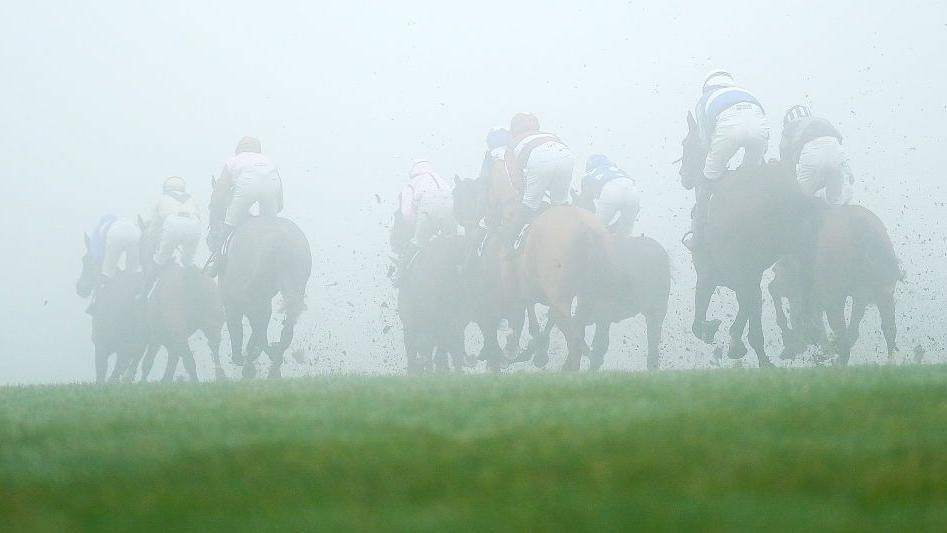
[(524, 215), (404, 263), (213, 265)]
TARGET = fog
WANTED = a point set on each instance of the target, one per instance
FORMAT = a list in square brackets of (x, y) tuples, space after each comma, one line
[(101, 101)]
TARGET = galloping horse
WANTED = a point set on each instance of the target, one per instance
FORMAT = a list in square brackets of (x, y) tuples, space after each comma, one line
[(432, 308), (566, 254), (267, 255), (117, 323), (182, 302), (643, 283), (756, 216), (852, 256)]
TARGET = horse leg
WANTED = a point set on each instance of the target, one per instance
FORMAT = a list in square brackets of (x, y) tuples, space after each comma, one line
[(791, 345), (655, 325), (600, 344), (122, 360), (753, 299), (148, 360), (101, 363), (411, 351), (888, 325), (441, 363), (259, 317), (511, 346), (173, 357), (212, 332), (737, 348), (189, 364), (541, 344), (702, 328), (835, 313), (235, 328), (858, 313), (561, 312)]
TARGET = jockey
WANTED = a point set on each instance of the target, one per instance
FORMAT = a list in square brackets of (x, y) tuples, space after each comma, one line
[(497, 141), (176, 221), (427, 204), (112, 239), (543, 162), (252, 179), (814, 146), (728, 118), (616, 199)]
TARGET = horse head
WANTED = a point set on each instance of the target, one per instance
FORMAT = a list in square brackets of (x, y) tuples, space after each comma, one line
[(91, 266), (693, 156)]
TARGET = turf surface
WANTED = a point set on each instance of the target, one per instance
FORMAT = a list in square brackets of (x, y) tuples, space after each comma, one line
[(826, 449)]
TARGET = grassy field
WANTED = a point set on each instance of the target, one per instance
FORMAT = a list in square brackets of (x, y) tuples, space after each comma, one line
[(859, 449)]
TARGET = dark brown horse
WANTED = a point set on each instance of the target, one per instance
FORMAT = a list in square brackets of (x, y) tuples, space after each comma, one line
[(266, 256), (484, 288), (432, 307), (756, 216), (117, 323), (642, 286), (182, 302), (851, 257)]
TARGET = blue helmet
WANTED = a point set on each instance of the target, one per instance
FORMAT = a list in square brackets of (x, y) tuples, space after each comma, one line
[(597, 161), (498, 137)]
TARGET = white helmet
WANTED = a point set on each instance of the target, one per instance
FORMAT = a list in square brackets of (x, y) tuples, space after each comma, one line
[(175, 184), (715, 79)]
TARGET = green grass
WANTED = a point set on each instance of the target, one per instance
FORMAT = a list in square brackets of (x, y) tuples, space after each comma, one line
[(859, 449)]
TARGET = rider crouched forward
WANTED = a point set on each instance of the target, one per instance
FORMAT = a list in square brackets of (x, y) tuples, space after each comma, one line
[(176, 221), (614, 194), (250, 178), (542, 162), (426, 204), (728, 118)]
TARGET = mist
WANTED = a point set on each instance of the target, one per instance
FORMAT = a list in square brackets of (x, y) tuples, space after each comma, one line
[(102, 101)]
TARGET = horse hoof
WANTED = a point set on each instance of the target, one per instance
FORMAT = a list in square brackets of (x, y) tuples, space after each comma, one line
[(249, 371), (766, 363), (220, 375), (595, 363), (737, 350), (541, 360), (274, 373), (706, 330)]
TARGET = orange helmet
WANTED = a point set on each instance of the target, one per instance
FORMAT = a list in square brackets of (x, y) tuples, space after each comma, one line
[(522, 123)]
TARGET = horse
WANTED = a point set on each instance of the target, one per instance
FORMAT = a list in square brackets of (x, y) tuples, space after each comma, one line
[(182, 302), (851, 257), (117, 323), (266, 256), (643, 286), (432, 308), (485, 286), (565, 253), (756, 216)]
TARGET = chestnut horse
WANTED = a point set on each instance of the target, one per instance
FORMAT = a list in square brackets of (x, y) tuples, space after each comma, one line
[(566, 254), (756, 216), (851, 257)]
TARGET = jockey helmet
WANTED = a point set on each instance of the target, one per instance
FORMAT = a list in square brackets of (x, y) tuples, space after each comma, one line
[(717, 79), (420, 167), (796, 112), (175, 184), (249, 144), (498, 137), (523, 123)]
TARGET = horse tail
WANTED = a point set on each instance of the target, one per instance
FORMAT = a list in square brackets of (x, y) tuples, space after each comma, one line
[(876, 252)]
